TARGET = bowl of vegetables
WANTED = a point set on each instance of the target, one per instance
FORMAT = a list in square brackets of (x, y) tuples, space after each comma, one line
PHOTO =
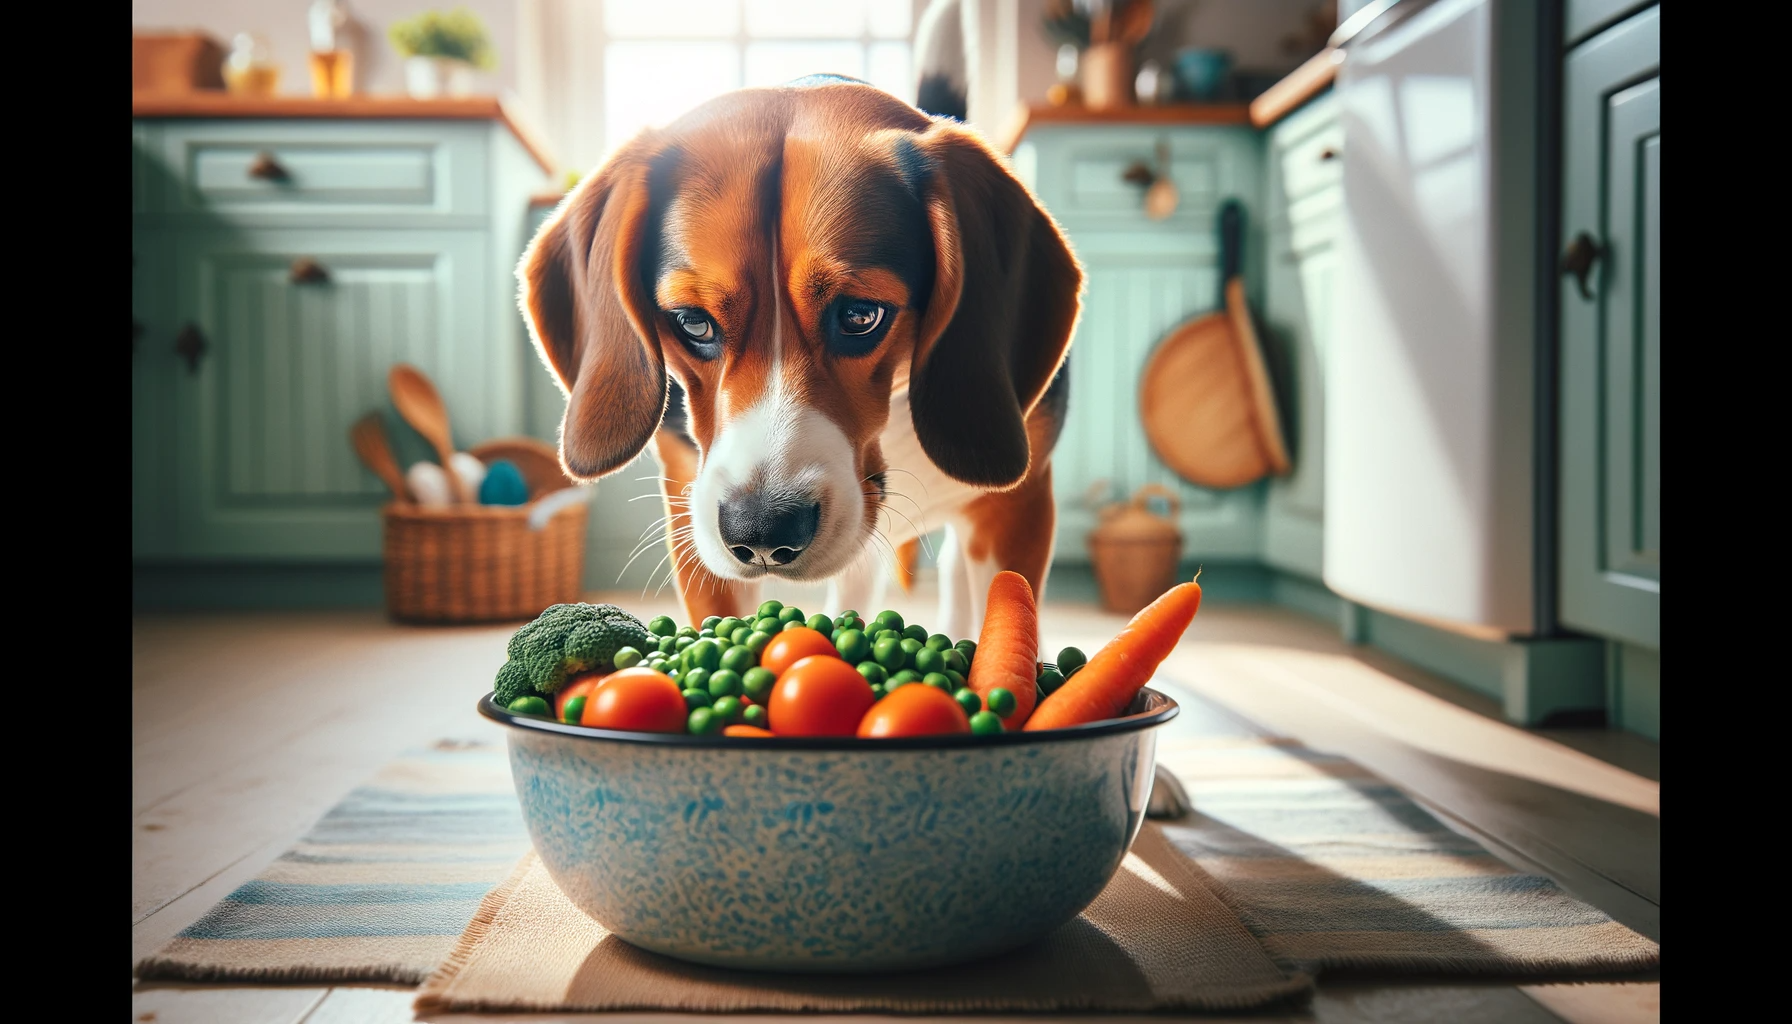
[(829, 793)]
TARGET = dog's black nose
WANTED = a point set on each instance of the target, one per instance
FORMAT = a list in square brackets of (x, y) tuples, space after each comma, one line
[(769, 528)]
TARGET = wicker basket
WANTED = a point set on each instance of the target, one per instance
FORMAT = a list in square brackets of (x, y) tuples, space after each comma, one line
[(1135, 550), (480, 563)]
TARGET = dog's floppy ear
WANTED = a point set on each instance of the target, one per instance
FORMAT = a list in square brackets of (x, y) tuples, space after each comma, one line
[(1006, 292), (592, 318)]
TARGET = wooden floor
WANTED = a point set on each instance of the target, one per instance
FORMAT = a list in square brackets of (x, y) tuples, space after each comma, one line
[(247, 727)]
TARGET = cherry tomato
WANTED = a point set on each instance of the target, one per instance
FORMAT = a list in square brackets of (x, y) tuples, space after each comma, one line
[(793, 645), (578, 686), (819, 696), (914, 710), (747, 730), (638, 699)]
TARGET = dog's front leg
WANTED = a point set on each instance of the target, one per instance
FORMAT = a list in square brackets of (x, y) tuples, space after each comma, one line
[(702, 592)]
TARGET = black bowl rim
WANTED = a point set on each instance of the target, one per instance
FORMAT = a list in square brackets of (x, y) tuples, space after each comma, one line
[(1159, 708)]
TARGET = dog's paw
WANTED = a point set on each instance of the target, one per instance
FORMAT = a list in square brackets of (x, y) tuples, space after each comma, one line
[(1168, 798)]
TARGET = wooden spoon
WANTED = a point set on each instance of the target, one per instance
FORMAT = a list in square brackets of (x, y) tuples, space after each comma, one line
[(420, 404), (1133, 22), (369, 438)]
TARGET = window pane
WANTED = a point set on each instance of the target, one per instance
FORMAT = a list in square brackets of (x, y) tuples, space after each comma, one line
[(653, 83), (671, 19), (890, 19), (777, 63), (805, 18), (888, 70)]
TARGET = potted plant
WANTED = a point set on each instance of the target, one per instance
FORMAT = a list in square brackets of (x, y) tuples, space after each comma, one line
[(441, 50)]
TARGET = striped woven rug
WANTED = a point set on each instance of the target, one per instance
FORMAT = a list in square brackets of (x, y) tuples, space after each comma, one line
[(1327, 865), (378, 890)]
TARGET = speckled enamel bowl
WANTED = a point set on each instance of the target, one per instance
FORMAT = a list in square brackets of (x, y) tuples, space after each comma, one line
[(833, 854)]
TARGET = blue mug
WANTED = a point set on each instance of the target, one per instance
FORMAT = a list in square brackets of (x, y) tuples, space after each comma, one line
[(1201, 72)]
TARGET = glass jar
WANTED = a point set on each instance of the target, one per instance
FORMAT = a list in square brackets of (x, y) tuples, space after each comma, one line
[(250, 70)]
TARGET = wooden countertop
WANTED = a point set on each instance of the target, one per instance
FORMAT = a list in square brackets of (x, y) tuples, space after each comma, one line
[(467, 108), (1030, 114), (1301, 85)]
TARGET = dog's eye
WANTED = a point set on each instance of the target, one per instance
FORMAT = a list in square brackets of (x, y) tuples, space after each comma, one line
[(857, 325), (699, 331), (859, 318)]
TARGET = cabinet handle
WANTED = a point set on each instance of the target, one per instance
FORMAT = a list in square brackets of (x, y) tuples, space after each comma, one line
[(1328, 153), (1578, 261), (266, 168), (190, 345), (306, 270)]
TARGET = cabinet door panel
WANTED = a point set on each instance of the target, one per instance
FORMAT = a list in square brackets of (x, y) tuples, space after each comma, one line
[(291, 365), (1611, 337)]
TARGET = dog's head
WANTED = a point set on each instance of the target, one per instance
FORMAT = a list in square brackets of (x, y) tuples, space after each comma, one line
[(792, 256)]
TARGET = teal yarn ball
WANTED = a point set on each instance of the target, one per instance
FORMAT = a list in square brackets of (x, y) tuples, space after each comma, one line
[(503, 485)]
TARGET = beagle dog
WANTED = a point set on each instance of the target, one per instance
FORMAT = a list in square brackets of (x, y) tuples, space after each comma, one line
[(839, 323)]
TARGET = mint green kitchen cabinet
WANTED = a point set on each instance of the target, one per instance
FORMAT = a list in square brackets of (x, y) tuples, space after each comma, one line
[(1305, 206), (281, 267), (1144, 278), (1611, 336)]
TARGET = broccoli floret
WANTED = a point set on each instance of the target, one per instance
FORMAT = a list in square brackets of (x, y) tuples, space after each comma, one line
[(565, 640)]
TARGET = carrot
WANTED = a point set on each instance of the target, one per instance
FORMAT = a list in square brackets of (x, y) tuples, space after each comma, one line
[(746, 730), (1008, 648), (1108, 683)]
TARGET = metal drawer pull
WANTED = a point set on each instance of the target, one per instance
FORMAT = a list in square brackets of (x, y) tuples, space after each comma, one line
[(306, 270), (1578, 261), (190, 345), (265, 168), (1328, 153)]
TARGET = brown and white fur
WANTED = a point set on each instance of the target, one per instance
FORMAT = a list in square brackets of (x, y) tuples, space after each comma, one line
[(773, 222)]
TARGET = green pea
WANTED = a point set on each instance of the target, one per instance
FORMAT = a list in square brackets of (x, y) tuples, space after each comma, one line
[(625, 657), (853, 645), (768, 624), (706, 634), (940, 642), (792, 624), (1049, 680), (956, 661), (676, 673), (888, 619), (694, 699), (986, 723), (886, 634), (667, 644), (903, 678), (916, 632), (706, 654), (662, 625), (791, 613), (757, 683), (728, 709), (850, 613), (728, 625), (704, 722), (877, 692), (968, 648), (956, 676), (530, 706), (822, 624), (756, 641), (770, 609), (709, 622), (1069, 660), (968, 700), (740, 634), (695, 678), (690, 631), (849, 622), (939, 681), (724, 683), (754, 715), (573, 710), (873, 673), (738, 658), (888, 653), (909, 648), (1001, 702), (929, 659), (683, 642)]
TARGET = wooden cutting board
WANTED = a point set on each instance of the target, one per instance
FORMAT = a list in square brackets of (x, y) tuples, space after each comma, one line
[(1205, 396)]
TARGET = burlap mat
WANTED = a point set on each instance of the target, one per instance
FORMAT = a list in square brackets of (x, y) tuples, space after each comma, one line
[(1157, 938)]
